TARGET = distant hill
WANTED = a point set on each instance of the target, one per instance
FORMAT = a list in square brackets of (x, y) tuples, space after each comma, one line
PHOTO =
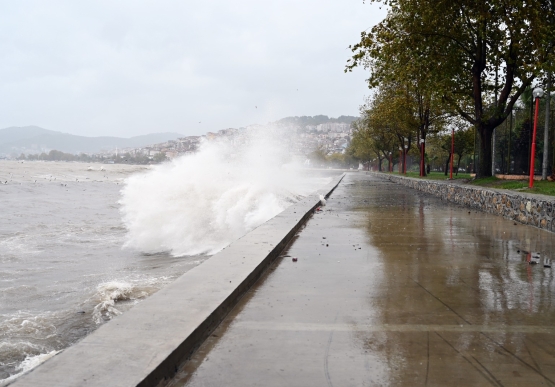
[(33, 139), (22, 133), (315, 120)]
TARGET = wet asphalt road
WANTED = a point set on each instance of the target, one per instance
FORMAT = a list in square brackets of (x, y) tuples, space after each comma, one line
[(392, 288)]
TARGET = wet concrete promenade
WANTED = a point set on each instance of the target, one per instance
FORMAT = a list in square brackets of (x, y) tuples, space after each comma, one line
[(392, 288)]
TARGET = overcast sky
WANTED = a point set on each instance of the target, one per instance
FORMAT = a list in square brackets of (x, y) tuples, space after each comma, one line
[(132, 67)]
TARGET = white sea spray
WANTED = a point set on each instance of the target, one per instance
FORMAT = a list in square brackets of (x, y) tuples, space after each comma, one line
[(202, 202)]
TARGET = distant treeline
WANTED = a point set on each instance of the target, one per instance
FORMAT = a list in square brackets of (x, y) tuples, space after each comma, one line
[(55, 155), (320, 158), (126, 158)]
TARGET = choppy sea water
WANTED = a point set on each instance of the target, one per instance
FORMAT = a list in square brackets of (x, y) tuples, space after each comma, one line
[(64, 270)]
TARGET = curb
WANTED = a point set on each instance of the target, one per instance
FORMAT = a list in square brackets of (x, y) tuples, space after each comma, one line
[(146, 344)]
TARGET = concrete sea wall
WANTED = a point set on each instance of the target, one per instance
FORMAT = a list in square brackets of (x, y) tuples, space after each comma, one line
[(533, 210)]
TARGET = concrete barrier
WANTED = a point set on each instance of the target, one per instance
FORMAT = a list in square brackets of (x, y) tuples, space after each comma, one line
[(146, 344), (531, 209)]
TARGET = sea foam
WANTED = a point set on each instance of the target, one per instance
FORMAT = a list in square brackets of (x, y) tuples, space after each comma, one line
[(27, 365), (112, 298)]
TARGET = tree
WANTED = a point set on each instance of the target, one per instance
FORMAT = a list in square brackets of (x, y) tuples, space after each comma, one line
[(318, 156), (362, 146), (374, 135), (388, 122), (479, 56), (464, 144), (409, 95), (340, 160), (390, 118)]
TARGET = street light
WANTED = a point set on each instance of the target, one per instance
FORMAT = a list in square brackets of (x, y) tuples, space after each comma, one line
[(422, 157), (537, 94), (405, 160)]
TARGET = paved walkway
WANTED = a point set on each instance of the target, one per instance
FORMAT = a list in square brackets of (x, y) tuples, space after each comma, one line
[(392, 288)]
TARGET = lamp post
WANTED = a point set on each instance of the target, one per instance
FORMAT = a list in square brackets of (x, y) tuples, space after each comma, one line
[(422, 174), (452, 151), (400, 160), (405, 160), (537, 94), (390, 165)]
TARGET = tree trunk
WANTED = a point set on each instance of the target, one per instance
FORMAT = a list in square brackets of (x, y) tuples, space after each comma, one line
[(458, 165), (423, 158), (484, 167), (447, 164)]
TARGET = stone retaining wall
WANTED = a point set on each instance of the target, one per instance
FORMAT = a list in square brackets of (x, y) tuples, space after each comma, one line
[(534, 210)]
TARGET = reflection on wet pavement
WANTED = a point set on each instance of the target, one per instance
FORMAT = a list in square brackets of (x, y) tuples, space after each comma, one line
[(392, 287)]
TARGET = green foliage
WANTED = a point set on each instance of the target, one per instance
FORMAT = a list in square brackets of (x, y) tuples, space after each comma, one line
[(392, 119), (477, 57), (464, 142), (485, 181), (362, 145), (55, 155), (543, 187), (341, 160), (318, 156), (159, 157)]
